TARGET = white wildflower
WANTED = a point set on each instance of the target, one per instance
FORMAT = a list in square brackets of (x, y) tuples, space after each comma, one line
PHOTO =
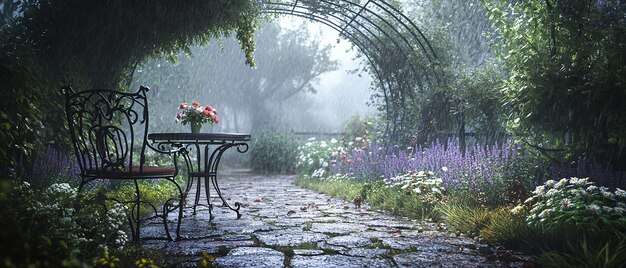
[(311, 139), (561, 183), (444, 169), (620, 193), (595, 208), (566, 203), (539, 190), (592, 188), (552, 192)]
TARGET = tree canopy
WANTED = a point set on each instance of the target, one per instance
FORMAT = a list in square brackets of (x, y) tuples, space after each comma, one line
[(566, 61)]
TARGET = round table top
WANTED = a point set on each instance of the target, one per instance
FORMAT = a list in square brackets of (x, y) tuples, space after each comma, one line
[(199, 137)]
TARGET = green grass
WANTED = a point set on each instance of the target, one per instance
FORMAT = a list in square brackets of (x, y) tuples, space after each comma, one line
[(609, 254), (154, 193), (344, 189), (376, 194)]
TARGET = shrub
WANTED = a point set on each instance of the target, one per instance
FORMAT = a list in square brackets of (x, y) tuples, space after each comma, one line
[(576, 203), (315, 155), (41, 228), (274, 153), (423, 185)]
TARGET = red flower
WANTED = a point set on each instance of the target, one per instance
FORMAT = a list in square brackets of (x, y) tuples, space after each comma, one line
[(216, 119), (182, 105), (195, 104), (208, 108), (207, 113)]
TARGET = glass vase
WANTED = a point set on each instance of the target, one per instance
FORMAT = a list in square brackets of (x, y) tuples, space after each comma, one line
[(196, 127)]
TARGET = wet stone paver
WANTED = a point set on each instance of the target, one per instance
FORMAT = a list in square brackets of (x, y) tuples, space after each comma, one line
[(283, 225)]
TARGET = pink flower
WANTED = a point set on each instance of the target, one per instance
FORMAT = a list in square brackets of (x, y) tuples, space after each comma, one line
[(182, 105), (179, 115), (195, 104), (208, 108), (216, 119)]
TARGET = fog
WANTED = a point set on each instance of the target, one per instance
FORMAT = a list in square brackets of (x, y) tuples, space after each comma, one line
[(306, 80)]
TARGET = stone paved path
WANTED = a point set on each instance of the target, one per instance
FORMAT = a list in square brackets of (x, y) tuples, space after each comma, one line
[(284, 225)]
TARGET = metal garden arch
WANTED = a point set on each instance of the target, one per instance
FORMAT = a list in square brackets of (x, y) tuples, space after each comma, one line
[(400, 56)]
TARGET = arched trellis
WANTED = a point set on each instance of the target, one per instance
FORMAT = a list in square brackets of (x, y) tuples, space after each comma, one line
[(399, 54)]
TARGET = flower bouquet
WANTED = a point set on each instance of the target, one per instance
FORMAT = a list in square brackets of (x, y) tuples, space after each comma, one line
[(196, 115)]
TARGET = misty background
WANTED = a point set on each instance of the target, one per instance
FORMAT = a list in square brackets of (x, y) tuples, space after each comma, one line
[(306, 80)]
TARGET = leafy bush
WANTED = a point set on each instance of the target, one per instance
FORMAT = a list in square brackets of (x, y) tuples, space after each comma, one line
[(41, 228), (356, 126), (423, 185), (315, 155), (274, 153), (576, 203)]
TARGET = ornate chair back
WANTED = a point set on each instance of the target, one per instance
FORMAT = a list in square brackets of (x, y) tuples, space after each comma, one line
[(108, 130)]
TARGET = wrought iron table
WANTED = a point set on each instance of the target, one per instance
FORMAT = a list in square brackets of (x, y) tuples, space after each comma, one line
[(214, 145)]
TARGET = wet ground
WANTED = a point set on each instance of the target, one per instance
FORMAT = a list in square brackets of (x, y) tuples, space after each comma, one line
[(284, 225)]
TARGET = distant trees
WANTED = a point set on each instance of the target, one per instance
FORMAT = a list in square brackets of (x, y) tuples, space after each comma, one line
[(289, 62)]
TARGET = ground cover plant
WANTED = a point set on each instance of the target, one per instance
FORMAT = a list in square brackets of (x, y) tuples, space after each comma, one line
[(43, 226)]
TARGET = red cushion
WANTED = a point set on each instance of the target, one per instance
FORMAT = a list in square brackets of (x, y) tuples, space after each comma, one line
[(147, 171)]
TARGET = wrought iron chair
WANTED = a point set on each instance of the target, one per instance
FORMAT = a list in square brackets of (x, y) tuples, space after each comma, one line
[(109, 133)]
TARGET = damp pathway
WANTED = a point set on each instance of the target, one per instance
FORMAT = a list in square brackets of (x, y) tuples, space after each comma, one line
[(283, 225)]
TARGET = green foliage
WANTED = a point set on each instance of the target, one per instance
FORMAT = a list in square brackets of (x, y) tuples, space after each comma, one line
[(380, 196), (153, 192), (273, 152), (466, 219), (30, 118), (493, 225), (423, 185), (584, 254), (505, 228), (132, 256), (577, 204), (356, 126), (41, 228), (117, 36), (314, 156), (339, 188), (565, 86)]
